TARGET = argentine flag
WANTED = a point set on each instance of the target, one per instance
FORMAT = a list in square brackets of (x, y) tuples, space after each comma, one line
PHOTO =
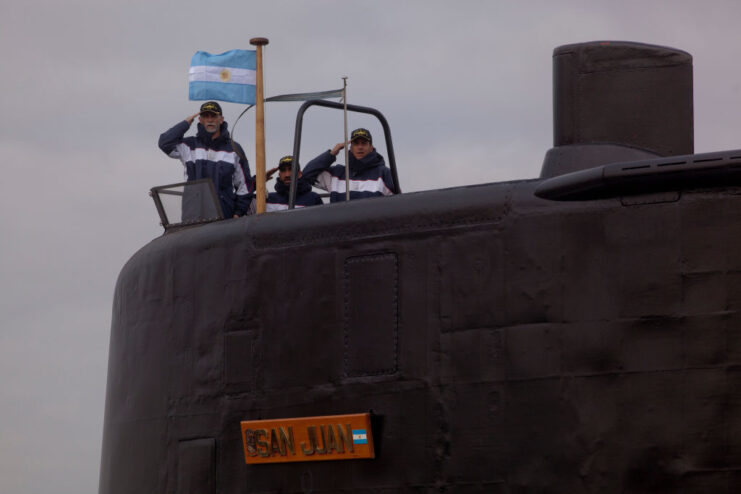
[(359, 436), (229, 76)]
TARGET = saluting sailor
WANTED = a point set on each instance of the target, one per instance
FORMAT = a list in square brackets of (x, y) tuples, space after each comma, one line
[(279, 199), (369, 175), (210, 154)]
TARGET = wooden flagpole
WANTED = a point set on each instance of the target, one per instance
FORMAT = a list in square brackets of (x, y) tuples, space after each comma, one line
[(260, 128)]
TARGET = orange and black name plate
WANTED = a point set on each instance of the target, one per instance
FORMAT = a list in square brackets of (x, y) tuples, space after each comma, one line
[(329, 437)]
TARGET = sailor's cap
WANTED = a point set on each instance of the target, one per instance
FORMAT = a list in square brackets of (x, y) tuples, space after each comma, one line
[(211, 107), (361, 134)]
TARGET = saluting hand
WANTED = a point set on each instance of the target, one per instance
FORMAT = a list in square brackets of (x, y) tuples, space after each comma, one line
[(336, 148), (191, 118), (269, 173)]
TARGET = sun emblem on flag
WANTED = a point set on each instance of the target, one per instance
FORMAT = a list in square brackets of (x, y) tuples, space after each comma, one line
[(225, 75)]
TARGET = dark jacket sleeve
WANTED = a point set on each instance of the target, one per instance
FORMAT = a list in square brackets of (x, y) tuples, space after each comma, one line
[(249, 179), (172, 137), (318, 165), (242, 203), (389, 180)]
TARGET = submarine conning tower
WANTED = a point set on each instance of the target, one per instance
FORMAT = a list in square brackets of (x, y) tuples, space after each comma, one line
[(618, 101)]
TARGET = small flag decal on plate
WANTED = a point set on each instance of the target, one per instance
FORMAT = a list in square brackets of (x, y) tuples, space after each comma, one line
[(359, 436)]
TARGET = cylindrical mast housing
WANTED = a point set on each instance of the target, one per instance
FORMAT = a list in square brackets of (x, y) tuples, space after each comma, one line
[(618, 101)]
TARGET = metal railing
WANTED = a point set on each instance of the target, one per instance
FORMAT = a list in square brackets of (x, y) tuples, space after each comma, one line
[(196, 203)]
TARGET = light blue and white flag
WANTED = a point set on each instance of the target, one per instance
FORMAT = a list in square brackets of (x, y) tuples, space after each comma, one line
[(229, 76), (359, 436)]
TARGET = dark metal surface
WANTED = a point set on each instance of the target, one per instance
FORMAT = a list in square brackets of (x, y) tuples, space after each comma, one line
[(503, 343), (717, 169), (618, 101), (539, 345)]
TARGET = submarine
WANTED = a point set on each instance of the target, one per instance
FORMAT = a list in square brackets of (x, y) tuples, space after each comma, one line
[(578, 332)]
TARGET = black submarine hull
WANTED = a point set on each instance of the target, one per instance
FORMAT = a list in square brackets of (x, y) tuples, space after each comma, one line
[(577, 333), (504, 343)]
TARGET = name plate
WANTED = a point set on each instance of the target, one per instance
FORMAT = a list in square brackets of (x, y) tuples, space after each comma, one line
[(329, 437)]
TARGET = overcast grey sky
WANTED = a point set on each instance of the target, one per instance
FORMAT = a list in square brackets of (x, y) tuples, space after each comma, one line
[(87, 87)]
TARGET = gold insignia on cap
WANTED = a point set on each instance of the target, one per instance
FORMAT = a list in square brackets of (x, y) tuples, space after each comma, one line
[(210, 107), (225, 75)]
